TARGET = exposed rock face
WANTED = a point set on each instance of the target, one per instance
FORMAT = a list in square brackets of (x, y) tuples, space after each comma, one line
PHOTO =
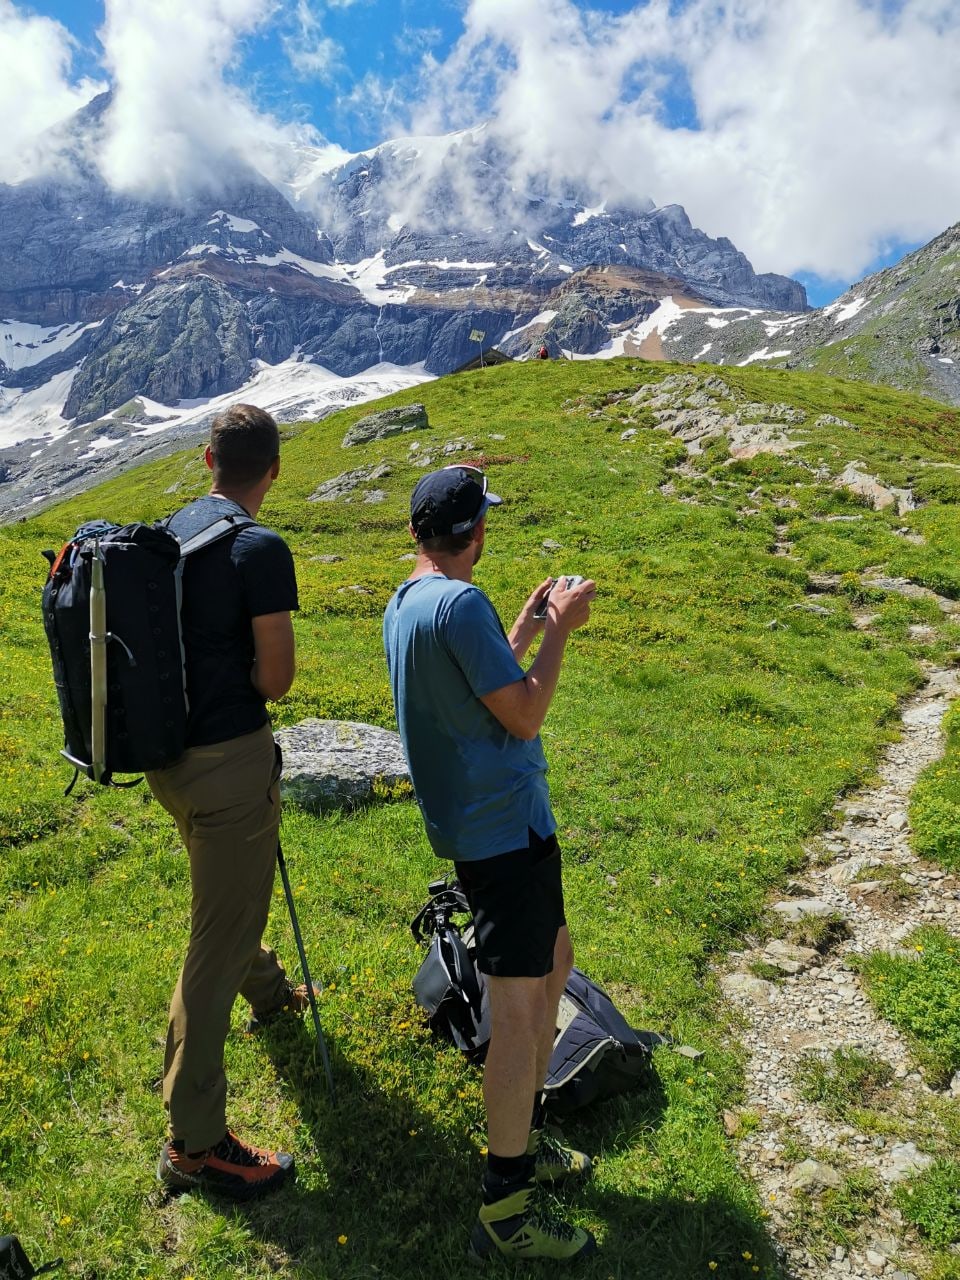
[(176, 342), (335, 764), (388, 422)]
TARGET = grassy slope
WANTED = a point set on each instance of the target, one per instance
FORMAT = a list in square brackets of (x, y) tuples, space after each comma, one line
[(693, 747)]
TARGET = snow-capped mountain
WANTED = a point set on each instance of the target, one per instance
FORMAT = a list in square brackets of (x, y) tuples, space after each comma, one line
[(117, 309)]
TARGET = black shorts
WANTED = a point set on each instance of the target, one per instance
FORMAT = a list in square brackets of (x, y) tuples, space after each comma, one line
[(517, 904)]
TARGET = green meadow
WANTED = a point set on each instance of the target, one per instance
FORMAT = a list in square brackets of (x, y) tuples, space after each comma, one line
[(704, 727)]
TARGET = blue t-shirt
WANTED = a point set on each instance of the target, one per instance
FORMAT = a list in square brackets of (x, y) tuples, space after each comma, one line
[(479, 788)]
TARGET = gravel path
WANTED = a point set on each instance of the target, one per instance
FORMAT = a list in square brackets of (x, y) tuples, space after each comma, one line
[(819, 1007)]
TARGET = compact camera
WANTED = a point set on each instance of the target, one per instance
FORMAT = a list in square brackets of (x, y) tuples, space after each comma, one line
[(572, 580)]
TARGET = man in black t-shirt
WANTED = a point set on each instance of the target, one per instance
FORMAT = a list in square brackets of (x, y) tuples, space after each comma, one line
[(223, 792)]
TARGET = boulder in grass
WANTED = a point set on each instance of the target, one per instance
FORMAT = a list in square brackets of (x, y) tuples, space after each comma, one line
[(337, 764), (387, 422)]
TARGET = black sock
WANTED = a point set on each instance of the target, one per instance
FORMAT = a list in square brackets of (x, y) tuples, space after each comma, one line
[(506, 1174)]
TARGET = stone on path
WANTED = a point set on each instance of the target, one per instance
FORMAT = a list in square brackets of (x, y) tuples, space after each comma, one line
[(335, 764), (813, 1175), (745, 984), (797, 909), (906, 1160), (788, 957)]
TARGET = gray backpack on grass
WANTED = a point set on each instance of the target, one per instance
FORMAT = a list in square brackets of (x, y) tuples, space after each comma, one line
[(596, 1053)]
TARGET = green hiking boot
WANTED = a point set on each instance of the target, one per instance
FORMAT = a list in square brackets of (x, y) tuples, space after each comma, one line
[(527, 1225), (555, 1160)]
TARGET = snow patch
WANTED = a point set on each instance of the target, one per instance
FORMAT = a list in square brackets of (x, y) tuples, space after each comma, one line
[(843, 311), (25, 344), (702, 352), (763, 354), (370, 277), (294, 389), (666, 314), (542, 317), (586, 214), (243, 225), (28, 415)]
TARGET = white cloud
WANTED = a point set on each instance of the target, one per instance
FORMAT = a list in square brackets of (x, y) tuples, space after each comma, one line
[(824, 132), (311, 53), (36, 87), (178, 120), (827, 129)]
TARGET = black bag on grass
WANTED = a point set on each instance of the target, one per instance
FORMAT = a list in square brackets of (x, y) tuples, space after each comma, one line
[(113, 598), (14, 1263), (596, 1053)]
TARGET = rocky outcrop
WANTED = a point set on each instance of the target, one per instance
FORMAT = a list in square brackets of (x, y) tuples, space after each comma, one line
[(388, 422), (177, 342)]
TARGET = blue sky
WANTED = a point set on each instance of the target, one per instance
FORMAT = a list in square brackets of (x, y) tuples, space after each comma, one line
[(818, 136)]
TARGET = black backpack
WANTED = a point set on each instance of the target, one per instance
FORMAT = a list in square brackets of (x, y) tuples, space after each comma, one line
[(14, 1263), (111, 613), (596, 1053)]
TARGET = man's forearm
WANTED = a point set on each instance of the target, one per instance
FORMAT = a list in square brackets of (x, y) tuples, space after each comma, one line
[(544, 674), (522, 635)]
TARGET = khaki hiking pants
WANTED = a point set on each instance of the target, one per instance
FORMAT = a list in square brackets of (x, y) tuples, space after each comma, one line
[(225, 800)]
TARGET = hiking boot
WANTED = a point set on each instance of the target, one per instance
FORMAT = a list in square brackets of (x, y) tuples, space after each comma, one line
[(527, 1225), (231, 1168), (555, 1160), (294, 1000)]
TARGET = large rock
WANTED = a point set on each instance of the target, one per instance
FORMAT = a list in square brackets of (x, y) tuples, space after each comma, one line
[(336, 764), (388, 422), (858, 482)]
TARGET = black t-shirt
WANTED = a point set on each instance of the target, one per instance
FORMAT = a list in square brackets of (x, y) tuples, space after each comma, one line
[(242, 576)]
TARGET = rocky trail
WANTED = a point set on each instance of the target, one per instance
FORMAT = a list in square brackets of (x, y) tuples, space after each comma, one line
[(798, 999), (817, 1007)]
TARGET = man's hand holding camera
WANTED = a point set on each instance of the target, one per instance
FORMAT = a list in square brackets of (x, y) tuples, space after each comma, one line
[(565, 601), (568, 603)]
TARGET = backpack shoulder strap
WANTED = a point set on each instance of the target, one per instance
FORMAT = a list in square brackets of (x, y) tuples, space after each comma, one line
[(214, 532)]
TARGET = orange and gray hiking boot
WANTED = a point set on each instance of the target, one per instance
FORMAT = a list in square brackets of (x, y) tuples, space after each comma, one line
[(555, 1160), (231, 1168), (527, 1225), (293, 1000)]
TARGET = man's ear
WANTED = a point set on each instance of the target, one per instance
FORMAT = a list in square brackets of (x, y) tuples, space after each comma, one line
[(208, 457), (411, 532), (275, 468)]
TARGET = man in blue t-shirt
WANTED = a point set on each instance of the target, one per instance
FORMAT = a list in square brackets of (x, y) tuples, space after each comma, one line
[(470, 717), (224, 794)]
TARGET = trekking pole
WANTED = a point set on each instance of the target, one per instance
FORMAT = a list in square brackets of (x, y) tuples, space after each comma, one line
[(306, 972)]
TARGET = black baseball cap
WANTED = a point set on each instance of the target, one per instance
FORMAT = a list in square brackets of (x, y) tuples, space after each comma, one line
[(450, 501)]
